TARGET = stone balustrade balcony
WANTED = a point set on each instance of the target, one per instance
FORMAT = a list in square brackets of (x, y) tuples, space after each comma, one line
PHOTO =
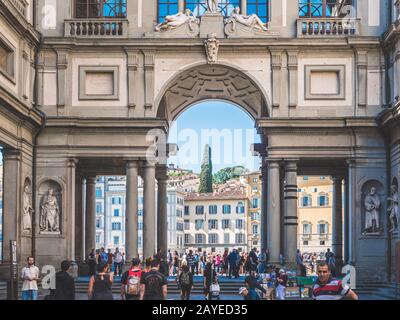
[(96, 28), (327, 27), (20, 5)]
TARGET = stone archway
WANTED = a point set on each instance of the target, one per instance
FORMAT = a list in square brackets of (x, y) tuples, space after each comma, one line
[(212, 82)]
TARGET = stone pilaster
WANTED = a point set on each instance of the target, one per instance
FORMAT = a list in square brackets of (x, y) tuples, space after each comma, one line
[(362, 73), (149, 56), (293, 81), (133, 61), (62, 85), (276, 65)]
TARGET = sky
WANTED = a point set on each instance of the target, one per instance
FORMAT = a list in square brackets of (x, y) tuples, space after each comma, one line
[(225, 127)]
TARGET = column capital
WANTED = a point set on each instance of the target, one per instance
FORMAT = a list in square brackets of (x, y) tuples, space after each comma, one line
[(12, 154), (273, 163), (91, 180), (291, 164), (132, 164), (337, 179)]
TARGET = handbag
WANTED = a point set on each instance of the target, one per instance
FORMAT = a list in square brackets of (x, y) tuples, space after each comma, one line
[(215, 288)]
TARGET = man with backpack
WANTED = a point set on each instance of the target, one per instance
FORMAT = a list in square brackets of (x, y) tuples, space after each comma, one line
[(185, 282), (130, 289)]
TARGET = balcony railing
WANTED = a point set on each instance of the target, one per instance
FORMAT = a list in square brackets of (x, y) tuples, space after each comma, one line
[(20, 5), (96, 28), (327, 27)]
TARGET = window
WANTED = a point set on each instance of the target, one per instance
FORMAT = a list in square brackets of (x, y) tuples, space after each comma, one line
[(116, 241), (139, 241), (305, 243), (200, 238), (166, 7), (187, 224), (323, 228), (255, 229), (255, 216), (7, 57), (306, 201), (199, 209), (187, 238), (240, 208), (100, 8), (227, 238), (140, 225), (255, 203), (213, 209), (179, 213), (186, 210), (322, 243), (239, 237), (306, 228), (199, 224), (198, 7), (116, 212), (322, 8), (116, 226), (179, 226), (323, 200), (98, 208), (226, 209), (226, 223), (98, 223), (239, 224), (140, 213), (260, 8), (255, 180), (98, 193), (213, 224), (213, 238), (97, 238)]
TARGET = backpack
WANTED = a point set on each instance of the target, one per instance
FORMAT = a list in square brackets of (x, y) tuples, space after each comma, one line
[(185, 279), (132, 286)]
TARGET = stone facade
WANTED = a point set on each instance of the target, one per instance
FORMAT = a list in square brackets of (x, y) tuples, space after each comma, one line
[(109, 88)]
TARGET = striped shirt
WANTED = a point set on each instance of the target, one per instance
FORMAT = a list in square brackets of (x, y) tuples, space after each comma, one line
[(332, 290)]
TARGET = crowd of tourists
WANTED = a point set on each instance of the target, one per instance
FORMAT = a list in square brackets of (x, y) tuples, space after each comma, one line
[(147, 279)]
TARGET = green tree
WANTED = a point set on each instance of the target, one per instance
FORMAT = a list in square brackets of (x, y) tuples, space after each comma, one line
[(206, 178), (229, 173)]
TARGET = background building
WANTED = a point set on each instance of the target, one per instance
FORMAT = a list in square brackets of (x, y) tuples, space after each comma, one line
[(216, 221), (1, 207), (315, 214)]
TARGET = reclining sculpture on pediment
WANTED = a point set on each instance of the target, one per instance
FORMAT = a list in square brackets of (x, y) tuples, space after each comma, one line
[(183, 24)]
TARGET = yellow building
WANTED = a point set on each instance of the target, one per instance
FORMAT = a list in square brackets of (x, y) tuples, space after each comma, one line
[(315, 214), (252, 181)]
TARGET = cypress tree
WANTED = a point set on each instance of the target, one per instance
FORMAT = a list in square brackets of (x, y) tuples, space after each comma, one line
[(206, 178)]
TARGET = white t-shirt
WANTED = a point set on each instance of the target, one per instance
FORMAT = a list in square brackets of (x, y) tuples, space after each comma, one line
[(118, 257), (31, 272)]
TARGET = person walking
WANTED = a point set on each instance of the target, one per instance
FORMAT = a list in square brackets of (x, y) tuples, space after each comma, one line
[(130, 281), (30, 275), (196, 264), (225, 263), (282, 281), (153, 284), (252, 284), (190, 261), (253, 259), (110, 260), (92, 261), (327, 288), (100, 285), (185, 282), (176, 264), (65, 284), (210, 278), (262, 261), (299, 262), (118, 262), (232, 260)]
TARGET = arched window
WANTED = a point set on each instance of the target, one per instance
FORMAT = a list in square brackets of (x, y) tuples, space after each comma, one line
[(322, 8), (167, 7), (199, 7), (100, 8), (260, 8)]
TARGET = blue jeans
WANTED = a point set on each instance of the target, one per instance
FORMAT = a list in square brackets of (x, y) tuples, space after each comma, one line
[(30, 295)]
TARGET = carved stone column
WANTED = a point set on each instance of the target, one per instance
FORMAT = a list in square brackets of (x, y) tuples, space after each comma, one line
[(90, 228), (71, 206), (264, 203), (273, 211), (290, 218), (337, 221), (132, 168), (149, 211), (162, 218), (79, 210)]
